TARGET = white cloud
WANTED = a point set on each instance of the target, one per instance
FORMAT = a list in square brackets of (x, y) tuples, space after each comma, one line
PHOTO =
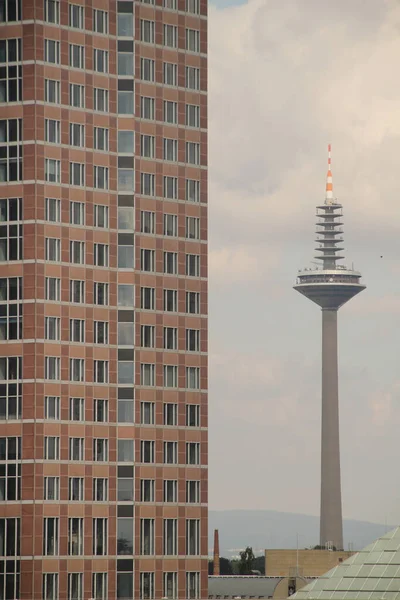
[(285, 79)]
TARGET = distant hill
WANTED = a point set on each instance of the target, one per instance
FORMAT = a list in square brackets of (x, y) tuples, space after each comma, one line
[(272, 529)]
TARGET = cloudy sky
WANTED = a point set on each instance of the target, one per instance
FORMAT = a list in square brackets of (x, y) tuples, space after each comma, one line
[(286, 77)]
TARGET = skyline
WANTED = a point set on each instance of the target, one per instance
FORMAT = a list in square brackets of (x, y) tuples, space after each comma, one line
[(327, 75)]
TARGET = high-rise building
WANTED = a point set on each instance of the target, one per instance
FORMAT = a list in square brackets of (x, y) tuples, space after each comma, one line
[(103, 299), (330, 286)]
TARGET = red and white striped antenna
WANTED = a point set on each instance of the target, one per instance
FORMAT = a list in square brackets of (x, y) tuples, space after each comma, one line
[(329, 183)]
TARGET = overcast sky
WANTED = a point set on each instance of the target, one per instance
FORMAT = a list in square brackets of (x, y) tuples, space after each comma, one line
[(285, 78)]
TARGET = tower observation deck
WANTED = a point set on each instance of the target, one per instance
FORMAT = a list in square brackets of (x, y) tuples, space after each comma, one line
[(330, 286)]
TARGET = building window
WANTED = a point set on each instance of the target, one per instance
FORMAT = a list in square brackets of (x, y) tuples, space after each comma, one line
[(192, 78), (192, 40), (147, 487), (171, 187), (192, 340), (126, 295), (53, 249), (126, 180), (100, 99), (125, 101), (125, 64), (10, 150), (52, 51), (171, 225), (171, 414), (147, 413), (53, 210), (126, 218), (171, 4), (50, 586), (76, 17), (77, 330), (170, 36), (193, 378), (147, 451), (170, 453), (77, 135), (192, 537), (51, 488), (147, 336), (147, 108), (126, 334), (10, 11), (146, 537), (75, 586), (192, 115), (52, 91), (101, 216), (100, 25), (51, 328), (76, 409), (193, 303), (192, 265), (76, 95), (100, 489), (76, 488), (101, 410), (147, 221), (170, 112), (170, 300), (147, 260), (171, 263), (192, 190), (75, 536), (146, 586), (99, 580), (101, 371), (170, 149), (52, 170), (76, 56), (126, 372), (170, 338), (170, 490), (52, 368), (52, 131), (125, 25), (77, 213), (192, 228), (193, 6), (100, 60), (147, 69), (76, 174), (101, 332), (77, 291), (125, 489), (53, 288), (125, 538), (76, 448), (170, 74), (170, 537), (147, 297), (100, 450), (77, 252), (100, 137), (193, 153), (11, 74), (192, 453), (77, 369), (100, 178), (100, 536), (52, 11), (170, 585), (125, 451), (192, 585), (147, 146), (147, 31), (193, 492), (51, 448), (100, 292), (101, 254), (170, 376), (50, 536), (10, 368), (126, 142)]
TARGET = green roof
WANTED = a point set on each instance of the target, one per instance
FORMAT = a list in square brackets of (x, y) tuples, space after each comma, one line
[(373, 573)]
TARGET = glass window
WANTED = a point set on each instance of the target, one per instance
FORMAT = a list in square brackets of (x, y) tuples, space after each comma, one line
[(126, 295), (125, 103), (126, 218), (125, 451), (125, 25), (126, 142), (124, 536), (126, 372), (126, 257)]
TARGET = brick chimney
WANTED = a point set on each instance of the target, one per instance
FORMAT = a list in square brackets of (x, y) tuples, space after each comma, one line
[(216, 553)]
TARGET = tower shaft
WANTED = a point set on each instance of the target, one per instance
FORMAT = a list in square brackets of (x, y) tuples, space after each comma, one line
[(331, 529)]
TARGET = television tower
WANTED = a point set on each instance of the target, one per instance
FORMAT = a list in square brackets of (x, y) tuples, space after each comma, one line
[(330, 286)]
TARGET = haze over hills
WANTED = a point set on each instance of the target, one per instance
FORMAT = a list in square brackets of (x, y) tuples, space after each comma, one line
[(272, 529)]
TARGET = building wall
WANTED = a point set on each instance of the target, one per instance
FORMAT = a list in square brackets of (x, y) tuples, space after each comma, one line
[(62, 434), (283, 563)]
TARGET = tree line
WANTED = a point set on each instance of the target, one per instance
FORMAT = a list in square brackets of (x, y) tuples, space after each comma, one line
[(247, 564)]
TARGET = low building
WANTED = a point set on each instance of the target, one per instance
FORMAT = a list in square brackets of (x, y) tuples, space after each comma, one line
[(228, 587), (307, 563)]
